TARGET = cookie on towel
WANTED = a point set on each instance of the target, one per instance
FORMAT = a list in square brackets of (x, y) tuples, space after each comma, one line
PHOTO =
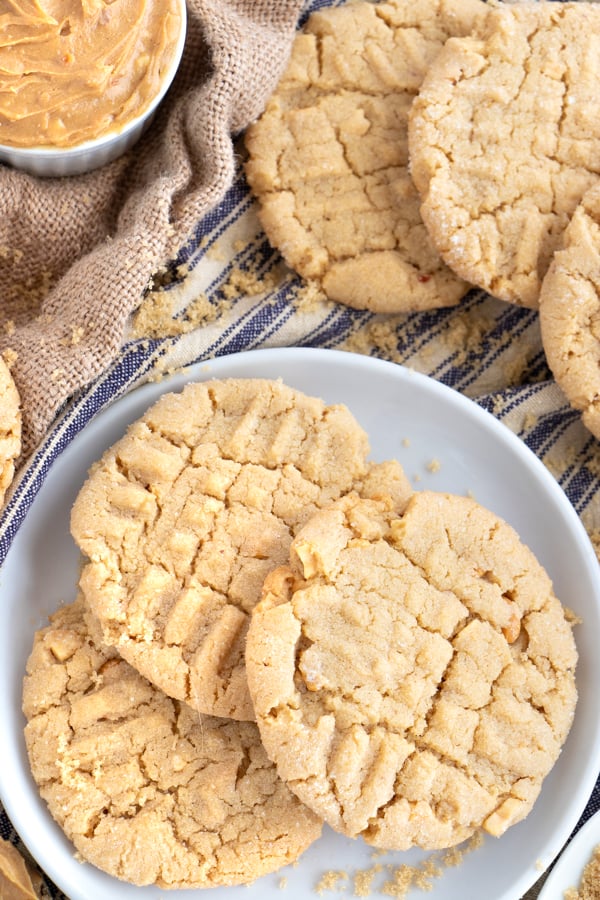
[(328, 159), (504, 140), (570, 311), (412, 674), (145, 789), (182, 519), (10, 428)]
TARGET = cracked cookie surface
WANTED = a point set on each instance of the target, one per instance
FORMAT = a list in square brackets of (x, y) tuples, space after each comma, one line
[(328, 159), (570, 311), (145, 789), (10, 428), (412, 675), (504, 140), (182, 519)]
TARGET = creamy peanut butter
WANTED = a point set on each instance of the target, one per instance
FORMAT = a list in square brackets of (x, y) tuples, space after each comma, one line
[(73, 70)]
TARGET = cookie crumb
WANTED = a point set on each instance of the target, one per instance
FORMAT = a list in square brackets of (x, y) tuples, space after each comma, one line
[(434, 465), (283, 883)]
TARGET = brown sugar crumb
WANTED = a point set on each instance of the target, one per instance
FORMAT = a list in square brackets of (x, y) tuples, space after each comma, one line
[(402, 881), (465, 333), (589, 887), (10, 357), (216, 254), (330, 881), (455, 855), (380, 335), (155, 316), (530, 421), (310, 297), (401, 878), (363, 881), (74, 338), (248, 283)]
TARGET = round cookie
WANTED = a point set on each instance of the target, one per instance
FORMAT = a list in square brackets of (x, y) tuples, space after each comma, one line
[(328, 159), (504, 139), (10, 428), (570, 311), (183, 518), (145, 789), (412, 676)]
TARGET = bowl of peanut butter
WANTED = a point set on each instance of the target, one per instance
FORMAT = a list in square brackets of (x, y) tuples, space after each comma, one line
[(80, 80)]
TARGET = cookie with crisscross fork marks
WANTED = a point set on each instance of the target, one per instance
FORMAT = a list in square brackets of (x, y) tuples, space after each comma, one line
[(145, 789), (183, 518), (504, 140), (328, 159), (412, 675)]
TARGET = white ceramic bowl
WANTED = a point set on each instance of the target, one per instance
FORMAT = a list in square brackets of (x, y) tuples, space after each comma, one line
[(59, 161), (408, 416)]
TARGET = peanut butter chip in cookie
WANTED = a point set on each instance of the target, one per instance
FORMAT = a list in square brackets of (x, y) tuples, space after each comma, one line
[(145, 789), (570, 311), (184, 517), (505, 139), (10, 428), (328, 159), (412, 675)]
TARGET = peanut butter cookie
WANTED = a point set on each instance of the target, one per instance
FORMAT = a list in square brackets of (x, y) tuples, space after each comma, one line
[(10, 428), (328, 159), (570, 311), (504, 140), (412, 675), (184, 517), (145, 789)]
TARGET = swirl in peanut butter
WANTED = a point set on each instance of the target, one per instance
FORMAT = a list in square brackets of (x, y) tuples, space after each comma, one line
[(74, 70)]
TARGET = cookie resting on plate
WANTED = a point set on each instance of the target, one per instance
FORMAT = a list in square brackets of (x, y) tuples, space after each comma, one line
[(504, 140), (412, 674), (145, 789), (570, 311), (328, 159), (183, 518)]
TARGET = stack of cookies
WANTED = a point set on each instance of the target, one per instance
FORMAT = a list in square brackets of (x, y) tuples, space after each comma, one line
[(273, 632), (416, 148)]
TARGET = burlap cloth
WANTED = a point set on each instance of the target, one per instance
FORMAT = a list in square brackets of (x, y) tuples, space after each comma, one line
[(77, 254)]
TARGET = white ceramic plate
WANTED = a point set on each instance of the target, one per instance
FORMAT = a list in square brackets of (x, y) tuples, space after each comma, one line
[(418, 421), (568, 870)]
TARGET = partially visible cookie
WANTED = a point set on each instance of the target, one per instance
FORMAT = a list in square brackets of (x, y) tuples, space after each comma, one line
[(504, 140), (412, 675), (570, 311), (15, 881), (328, 159), (182, 519), (145, 789), (10, 428)]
